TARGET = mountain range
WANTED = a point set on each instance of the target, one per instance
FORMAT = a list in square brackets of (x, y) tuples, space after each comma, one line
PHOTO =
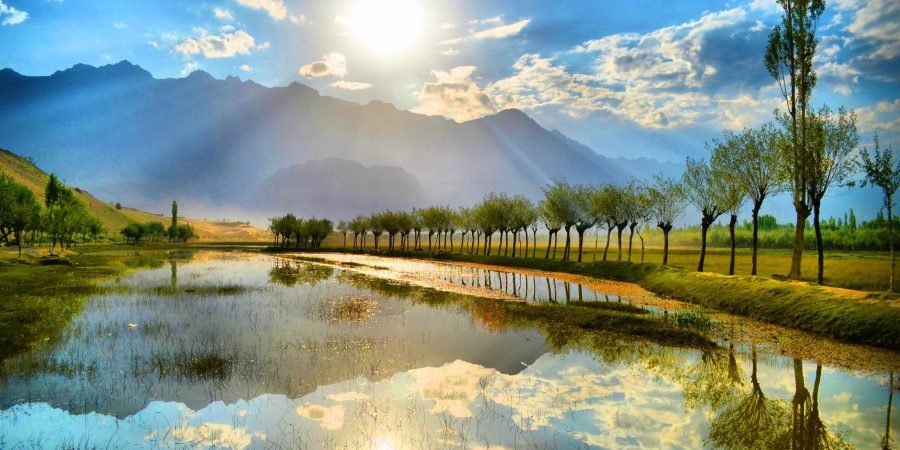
[(223, 146)]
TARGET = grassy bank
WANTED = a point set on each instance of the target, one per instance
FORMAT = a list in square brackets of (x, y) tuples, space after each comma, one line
[(863, 270), (872, 319), (41, 295)]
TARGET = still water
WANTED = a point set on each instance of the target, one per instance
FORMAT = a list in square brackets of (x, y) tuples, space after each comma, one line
[(240, 350)]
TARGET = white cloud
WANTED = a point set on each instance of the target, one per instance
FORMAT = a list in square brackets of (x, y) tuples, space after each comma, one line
[(334, 64), (246, 68), (503, 31), (877, 21), (154, 44), (224, 45), (275, 8), (227, 28), (500, 31), (298, 18), (887, 107), (189, 67), (448, 26), (10, 15), (223, 14), (766, 6), (489, 21), (350, 85), (264, 46), (840, 75), (454, 95), (119, 25), (450, 52), (658, 79)]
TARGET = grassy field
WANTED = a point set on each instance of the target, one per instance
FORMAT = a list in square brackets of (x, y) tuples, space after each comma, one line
[(852, 270)]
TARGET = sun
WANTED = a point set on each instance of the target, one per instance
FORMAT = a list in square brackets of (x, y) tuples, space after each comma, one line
[(386, 27)]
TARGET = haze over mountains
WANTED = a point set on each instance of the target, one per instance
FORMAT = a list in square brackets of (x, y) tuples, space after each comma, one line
[(235, 144)]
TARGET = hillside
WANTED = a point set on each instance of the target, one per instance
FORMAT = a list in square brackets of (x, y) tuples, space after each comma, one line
[(29, 175)]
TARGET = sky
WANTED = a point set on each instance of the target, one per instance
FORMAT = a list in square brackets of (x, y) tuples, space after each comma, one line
[(637, 79)]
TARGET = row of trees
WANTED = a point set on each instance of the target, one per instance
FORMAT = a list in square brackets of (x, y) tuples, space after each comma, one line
[(61, 218), (515, 220), (154, 232), (302, 232)]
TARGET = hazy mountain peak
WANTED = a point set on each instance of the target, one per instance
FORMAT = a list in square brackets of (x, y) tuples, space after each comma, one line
[(200, 75)]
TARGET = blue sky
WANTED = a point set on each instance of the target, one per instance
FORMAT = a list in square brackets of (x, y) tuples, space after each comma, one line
[(648, 78)]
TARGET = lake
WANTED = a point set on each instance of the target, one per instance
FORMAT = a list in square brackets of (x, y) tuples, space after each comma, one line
[(228, 349)]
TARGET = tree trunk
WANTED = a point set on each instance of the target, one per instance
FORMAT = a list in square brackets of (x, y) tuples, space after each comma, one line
[(703, 228), (666, 245), (642, 245), (568, 243), (799, 228), (596, 243), (515, 241), (820, 250), (630, 239), (580, 243), (756, 208), (526, 243), (549, 240), (891, 241), (555, 242), (620, 241), (731, 233), (608, 236)]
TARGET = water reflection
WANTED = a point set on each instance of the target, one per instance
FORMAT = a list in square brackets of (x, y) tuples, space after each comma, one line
[(531, 288), (304, 355), (568, 400)]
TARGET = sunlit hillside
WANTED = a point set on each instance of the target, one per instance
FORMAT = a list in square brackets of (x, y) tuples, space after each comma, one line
[(114, 219)]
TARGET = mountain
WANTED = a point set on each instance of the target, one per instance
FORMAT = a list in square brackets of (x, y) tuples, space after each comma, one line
[(220, 143), (114, 219), (339, 187)]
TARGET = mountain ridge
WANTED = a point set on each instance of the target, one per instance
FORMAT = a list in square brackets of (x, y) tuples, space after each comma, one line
[(125, 134)]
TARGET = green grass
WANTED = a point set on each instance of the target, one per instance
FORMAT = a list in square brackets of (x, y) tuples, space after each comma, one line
[(872, 320), (861, 270), (39, 300)]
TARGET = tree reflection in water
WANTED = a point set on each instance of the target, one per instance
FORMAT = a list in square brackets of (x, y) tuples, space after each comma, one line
[(290, 273)]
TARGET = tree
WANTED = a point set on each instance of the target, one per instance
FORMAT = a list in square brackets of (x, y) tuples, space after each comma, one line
[(582, 196), (173, 228), (704, 191), (752, 159), (789, 60), (666, 199), (733, 191), (605, 206), (880, 170), (344, 227), (559, 199), (19, 210), (832, 140)]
